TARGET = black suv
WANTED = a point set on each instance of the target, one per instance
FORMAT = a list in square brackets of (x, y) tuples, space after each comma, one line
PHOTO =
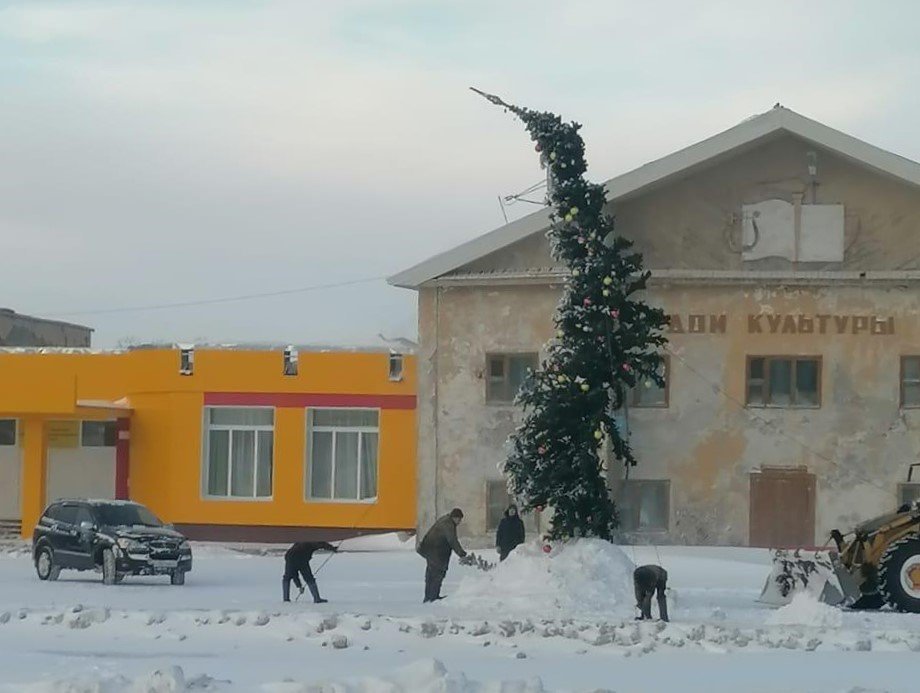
[(117, 538)]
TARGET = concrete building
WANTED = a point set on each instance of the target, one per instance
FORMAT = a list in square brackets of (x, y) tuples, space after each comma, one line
[(18, 330), (788, 257), (270, 444)]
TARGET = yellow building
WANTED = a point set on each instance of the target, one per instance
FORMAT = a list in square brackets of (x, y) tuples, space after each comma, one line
[(225, 443)]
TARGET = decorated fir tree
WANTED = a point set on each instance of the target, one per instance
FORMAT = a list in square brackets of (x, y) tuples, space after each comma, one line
[(607, 341)]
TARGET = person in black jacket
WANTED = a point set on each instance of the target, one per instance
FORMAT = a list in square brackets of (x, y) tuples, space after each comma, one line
[(297, 560), (649, 580), (510, 532), (435, 548)]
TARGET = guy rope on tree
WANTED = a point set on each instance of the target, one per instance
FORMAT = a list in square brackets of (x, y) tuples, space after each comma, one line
[(607, 341)]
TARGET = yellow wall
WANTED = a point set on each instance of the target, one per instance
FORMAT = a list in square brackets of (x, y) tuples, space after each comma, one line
[(167, 423)]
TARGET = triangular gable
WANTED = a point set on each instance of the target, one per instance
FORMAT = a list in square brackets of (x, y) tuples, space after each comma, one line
[(747, 134)]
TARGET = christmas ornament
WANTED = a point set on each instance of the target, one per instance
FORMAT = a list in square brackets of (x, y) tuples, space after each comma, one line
[(539, 147), (547, 548), (627, 367), (605, 292), (561, 378), (539, 508), (648, 384), (541, 450), (614, 313), (574, 210), (576, 272), (608, 281), (587, 301), (568, 218), (581, 240), (598, 434), (585, 387), (552, 156), (560, 334)]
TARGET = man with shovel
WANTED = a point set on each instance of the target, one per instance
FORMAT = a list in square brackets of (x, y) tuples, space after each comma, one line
[(297, 561)]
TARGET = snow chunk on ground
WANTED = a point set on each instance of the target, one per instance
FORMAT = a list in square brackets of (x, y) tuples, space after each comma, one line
[(806, 610), (423, 676), (169, 680), (584, 576)]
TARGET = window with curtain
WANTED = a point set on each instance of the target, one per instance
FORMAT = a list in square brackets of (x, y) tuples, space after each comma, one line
[(910, 382), (784, 381), (7, 432), (342, 454), (240, 444), (644, 505)]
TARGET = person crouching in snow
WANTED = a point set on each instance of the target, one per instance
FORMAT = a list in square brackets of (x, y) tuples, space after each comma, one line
[(435, 548), (297, 560), (510, 533), (648, 580)]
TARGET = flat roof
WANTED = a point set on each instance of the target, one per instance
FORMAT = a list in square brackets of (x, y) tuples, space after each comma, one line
[(10, 313)]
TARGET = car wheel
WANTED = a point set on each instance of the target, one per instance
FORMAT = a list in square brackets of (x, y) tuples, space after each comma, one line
[(109, 575), (177, 577), (899, 575), (119, 577), (44, 565)]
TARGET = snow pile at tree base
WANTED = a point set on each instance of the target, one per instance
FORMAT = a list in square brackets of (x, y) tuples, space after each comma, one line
[(423, 676), (806, 610), (583, 576)]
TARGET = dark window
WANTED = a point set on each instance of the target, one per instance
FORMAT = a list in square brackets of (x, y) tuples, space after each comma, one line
[(53, 512), (497, 501), (67, 514), (783, 381), (290, 361), (910, 381), (98, 434), (645, 505), (84, 515), (7, 432), (126, 515), (647, 393), (505, 373), (908, 493), (396, 367)]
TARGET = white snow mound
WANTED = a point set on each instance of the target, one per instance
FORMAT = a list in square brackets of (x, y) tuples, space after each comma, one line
[(806, 610), (423, 676), (582, 576), (169, 680)]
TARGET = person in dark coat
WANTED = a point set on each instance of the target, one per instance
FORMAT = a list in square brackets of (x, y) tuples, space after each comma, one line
[(649, 580), (510, 533), (297, 561), (436, 547)]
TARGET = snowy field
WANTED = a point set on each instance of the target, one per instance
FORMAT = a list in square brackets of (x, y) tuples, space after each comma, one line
[(525, 628)]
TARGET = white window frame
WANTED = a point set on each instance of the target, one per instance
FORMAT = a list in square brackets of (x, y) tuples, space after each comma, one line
[(206, 455), (103, 446), (15, 433), (312, 428)]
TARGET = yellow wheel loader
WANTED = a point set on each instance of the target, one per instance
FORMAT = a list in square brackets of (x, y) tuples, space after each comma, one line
[(875, 564)]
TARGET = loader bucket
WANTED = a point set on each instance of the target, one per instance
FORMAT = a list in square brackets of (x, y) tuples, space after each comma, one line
[(816, 572)]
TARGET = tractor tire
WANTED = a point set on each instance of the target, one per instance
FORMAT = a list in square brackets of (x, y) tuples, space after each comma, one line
[(899, 575)]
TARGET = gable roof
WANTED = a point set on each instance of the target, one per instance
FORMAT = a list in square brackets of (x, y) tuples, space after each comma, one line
[(747, 134)]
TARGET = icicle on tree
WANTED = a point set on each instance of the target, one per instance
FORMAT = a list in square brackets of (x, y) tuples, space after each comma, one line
[(607, 341)]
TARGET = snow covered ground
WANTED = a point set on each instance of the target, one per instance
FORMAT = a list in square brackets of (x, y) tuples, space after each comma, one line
[(542, 626)]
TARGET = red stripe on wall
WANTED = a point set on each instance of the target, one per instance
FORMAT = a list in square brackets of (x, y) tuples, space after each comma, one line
[(305, 399), (122, 458)]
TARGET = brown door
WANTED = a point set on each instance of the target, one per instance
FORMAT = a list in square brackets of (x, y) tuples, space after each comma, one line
[(782, 507)]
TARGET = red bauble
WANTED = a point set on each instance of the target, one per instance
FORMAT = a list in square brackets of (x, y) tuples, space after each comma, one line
[(547, 548), (614, 313), (539, 147), (627, 367), (539, 508), (587, 301), (541, 450)]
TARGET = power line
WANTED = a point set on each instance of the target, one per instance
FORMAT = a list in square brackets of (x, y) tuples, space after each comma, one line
[(212, 301)]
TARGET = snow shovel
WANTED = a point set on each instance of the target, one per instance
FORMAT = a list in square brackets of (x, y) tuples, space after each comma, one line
[(818, 573)]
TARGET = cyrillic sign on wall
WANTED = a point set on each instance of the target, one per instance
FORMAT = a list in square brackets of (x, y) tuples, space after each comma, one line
[(779, 323)]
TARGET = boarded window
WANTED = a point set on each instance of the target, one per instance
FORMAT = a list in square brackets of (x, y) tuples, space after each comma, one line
[(7, 432), (505, 373), (647, 393), (783, 381), (98, 434), (497, 501), (910, 381), (644, 505)]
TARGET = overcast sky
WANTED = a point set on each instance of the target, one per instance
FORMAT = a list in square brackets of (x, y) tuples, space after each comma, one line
[(172, 151)]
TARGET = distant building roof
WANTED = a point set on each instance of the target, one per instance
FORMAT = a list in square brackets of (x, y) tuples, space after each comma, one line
[(10, 313)]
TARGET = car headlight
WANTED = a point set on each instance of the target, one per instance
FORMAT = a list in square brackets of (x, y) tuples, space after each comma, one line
[(132, 546)]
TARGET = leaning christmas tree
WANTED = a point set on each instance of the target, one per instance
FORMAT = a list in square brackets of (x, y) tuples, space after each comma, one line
[(607, 342)]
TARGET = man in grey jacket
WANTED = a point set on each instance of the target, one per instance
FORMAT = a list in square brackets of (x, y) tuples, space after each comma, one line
[(436, 548)]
